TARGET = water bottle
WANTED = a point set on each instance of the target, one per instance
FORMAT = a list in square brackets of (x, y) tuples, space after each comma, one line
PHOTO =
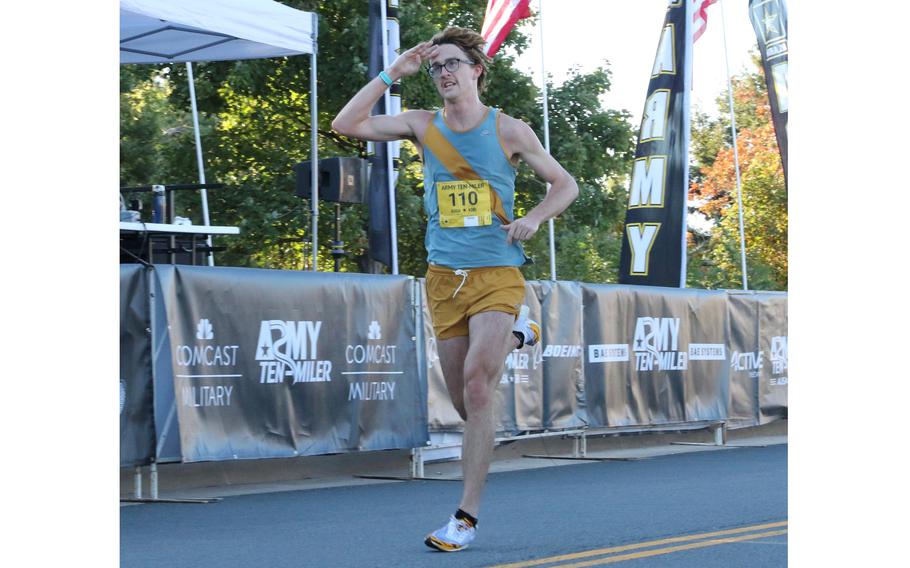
[(158, 204)]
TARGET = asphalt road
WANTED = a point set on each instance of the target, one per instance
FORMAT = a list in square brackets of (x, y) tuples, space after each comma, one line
[(705, 509)]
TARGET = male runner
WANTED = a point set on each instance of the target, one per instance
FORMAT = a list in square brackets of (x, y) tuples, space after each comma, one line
[(474, 288)]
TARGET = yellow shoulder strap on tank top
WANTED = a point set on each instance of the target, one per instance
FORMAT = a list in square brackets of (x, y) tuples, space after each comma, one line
[(453, 161)]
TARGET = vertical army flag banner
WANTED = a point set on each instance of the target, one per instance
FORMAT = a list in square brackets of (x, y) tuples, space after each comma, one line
[(654, 239), (382, 180), (769, 19)]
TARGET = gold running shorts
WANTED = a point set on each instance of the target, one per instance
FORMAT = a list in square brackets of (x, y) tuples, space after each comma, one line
[(456, 295)]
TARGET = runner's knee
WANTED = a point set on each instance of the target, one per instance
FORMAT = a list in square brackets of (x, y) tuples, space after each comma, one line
[(481, 369), (477, 394)]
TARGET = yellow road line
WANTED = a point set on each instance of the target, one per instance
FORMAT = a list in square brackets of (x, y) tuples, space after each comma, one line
[(668, 550), (663, 541)]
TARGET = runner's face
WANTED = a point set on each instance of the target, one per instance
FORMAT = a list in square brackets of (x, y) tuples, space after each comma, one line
[(463, 80)]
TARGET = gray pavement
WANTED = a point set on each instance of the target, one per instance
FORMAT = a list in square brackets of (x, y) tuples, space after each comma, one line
[(533, 509)]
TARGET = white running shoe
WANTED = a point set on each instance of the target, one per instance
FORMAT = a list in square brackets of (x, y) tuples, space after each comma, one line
[(526, 330), (455, 536)]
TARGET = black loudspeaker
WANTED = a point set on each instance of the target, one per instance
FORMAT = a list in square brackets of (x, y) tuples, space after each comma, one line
[(341, 180)]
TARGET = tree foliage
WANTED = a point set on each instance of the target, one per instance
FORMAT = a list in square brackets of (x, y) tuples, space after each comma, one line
[(255, 126), (715, 260)]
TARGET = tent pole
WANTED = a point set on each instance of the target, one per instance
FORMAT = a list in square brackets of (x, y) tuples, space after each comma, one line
[(203, 194), (314, 148)]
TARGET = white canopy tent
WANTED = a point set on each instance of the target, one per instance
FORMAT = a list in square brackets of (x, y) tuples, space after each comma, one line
[(167, 31)]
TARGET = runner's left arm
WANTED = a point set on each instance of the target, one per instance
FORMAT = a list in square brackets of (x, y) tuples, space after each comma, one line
[(563, 189)]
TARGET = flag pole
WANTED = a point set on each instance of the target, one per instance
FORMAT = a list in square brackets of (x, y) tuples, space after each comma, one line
[(687, 134), (546, 138), (739, 185)]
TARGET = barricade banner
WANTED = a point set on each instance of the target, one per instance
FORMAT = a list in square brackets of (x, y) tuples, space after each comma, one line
[(441, 412), (562, 353), (773, 378), (540, 387), (273, 363), (519, 396), (654, 355), (747, 358), (518, 388), (612, 391), (707, 373), (167, 430), (137, 426)]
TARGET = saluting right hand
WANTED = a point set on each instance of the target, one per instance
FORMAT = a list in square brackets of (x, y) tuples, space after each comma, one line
[(411, 60)]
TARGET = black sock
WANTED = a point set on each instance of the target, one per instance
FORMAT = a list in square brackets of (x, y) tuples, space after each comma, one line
[(521, 338), (459, 514)]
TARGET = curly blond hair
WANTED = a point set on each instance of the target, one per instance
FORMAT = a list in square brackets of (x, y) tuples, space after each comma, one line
[(471, 43)]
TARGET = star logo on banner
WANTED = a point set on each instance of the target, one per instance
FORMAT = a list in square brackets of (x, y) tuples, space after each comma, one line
[(770, 24)]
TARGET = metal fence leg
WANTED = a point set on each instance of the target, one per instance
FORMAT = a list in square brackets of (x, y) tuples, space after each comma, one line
[(720, 434), (153, 480), (137, 482), (417, 463), (584, 444)]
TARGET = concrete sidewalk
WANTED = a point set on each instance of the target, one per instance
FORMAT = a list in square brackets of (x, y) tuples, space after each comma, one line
[(208, 480)]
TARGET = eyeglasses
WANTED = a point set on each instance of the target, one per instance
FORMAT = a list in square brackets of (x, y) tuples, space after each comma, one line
[(451, 66)]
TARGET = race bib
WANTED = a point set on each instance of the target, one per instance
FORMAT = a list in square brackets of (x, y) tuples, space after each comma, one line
[(464, 203)]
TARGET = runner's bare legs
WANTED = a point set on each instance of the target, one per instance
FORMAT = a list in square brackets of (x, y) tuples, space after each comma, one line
[(452, 353), (489, 342)]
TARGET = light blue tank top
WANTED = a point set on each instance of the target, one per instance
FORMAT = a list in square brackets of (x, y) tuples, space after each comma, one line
[(469, 247)]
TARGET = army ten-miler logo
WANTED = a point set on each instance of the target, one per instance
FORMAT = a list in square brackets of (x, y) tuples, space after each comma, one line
[(288, 349)]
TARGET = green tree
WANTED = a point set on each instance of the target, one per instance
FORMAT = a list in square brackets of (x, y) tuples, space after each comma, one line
[(255, 125), (715, 260)]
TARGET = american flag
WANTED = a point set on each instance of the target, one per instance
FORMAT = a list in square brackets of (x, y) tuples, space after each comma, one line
[(700, 19), (499, 20)]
